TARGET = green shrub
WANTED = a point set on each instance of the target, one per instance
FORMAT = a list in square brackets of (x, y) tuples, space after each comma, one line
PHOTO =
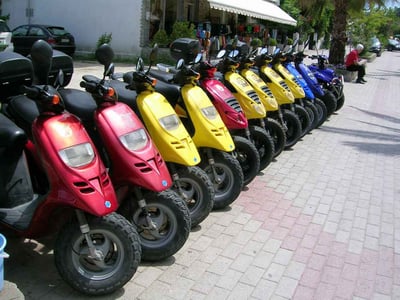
[(182, 29), (272, 42), (161, 38), (105, 38)]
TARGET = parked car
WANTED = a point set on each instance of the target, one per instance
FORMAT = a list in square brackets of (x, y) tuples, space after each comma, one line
[(60, 39), (393, 44), (5, 37), (375, 46)]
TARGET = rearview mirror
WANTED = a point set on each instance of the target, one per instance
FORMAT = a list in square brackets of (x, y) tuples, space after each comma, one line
[(105, 55)]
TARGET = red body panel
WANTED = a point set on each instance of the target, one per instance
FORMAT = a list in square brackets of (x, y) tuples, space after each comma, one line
[(144, 167), (87, 188), (219, 95)]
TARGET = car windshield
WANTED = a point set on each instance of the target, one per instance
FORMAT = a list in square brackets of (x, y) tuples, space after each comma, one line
[(57, 31), (4, 27)]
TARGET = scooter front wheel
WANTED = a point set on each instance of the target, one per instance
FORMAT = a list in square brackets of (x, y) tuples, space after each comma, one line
[(118, 248), (293, 125), (304, 118), (197, 191), (330, 101), (277, 133), (313, 113), (264, 144), (248, 157), (166, 226), (226, 176), (322, 111)]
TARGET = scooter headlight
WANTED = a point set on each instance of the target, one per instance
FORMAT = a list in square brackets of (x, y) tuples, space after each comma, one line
[(209, 112), (77, 156), (134, 140), (258, 109), (170, 122)]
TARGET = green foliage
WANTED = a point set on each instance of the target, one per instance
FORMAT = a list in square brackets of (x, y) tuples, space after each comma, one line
[(256, 42), (105, 38), (161, 38), (272, 42), (182, 29), (5, 18)]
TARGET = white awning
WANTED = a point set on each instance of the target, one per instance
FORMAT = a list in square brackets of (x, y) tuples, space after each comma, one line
[(254, 8)]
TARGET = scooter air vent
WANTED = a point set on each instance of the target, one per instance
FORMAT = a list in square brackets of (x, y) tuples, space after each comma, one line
[(285, 86), (253, 95), (83, 187), (232, 102), (143, 167), (267, 91)]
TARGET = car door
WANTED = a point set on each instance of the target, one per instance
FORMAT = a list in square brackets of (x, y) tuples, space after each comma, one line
[(19, 36)]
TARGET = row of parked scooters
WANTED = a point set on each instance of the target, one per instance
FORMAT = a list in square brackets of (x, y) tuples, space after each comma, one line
[(123, 169)]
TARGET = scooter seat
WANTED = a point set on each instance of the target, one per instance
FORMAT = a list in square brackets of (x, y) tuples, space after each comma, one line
[(124, 95), (11, 136), (170, 91), (24, 111), (79, 103), (162, 75)]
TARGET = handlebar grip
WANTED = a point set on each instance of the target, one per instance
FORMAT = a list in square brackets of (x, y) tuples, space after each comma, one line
[(89, 86)]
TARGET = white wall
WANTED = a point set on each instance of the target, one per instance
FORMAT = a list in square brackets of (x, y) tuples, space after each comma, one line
[(87, 20)]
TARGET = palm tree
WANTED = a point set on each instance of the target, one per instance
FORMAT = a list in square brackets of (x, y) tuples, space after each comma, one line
[(339, 22)]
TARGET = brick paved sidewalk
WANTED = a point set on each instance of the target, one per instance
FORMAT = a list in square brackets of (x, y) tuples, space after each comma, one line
[(321, 222)]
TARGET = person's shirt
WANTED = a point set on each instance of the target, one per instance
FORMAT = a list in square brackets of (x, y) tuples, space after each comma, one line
[(352, 58)]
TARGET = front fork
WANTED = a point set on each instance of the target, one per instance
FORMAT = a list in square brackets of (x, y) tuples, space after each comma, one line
[(210, 158), (95, 254)]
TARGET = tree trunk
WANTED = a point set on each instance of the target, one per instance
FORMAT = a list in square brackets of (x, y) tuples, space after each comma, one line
[(339, 36)]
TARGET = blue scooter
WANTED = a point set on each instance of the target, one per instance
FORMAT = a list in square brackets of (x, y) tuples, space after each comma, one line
[(328, 78)]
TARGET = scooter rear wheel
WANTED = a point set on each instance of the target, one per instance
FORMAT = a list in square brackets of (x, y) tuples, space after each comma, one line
[(277, 132), (118, 243), (227, 179), (248, 157), (313, 113), (198, 192), (264, 144), (171, 217)]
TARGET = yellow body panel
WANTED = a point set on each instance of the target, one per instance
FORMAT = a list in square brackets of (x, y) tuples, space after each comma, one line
[(251, 108), (277, 85), (291, 81), (209, 132), (174, 145), (266, 96)]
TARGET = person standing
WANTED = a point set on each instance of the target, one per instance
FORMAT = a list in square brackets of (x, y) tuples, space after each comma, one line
[(354, 63)]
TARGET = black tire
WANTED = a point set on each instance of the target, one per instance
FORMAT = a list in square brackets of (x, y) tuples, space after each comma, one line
[(312, 112), (264, 144), (119, 243), (277, 133), (340, 102), (171, 216), (293, 125), (304, 118), (229, 183), (197, 190), (329, 100), (248, 157), (322, 112)]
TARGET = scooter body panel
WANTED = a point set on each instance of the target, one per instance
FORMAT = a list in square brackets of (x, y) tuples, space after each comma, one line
[(277, 85), (224, 101), (309, 77), (174, 143), (303, 83), (210, 130), (246, 95), (142, 166), (291, 81), (266, 96), (87, 187)]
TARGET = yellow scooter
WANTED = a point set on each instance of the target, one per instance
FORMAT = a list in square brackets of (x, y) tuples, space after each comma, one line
[(171, 138), (207, 129), (251, 104), (283, 96)]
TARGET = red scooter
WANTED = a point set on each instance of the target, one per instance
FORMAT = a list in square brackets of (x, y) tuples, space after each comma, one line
[(139, 173), (53, 181)]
